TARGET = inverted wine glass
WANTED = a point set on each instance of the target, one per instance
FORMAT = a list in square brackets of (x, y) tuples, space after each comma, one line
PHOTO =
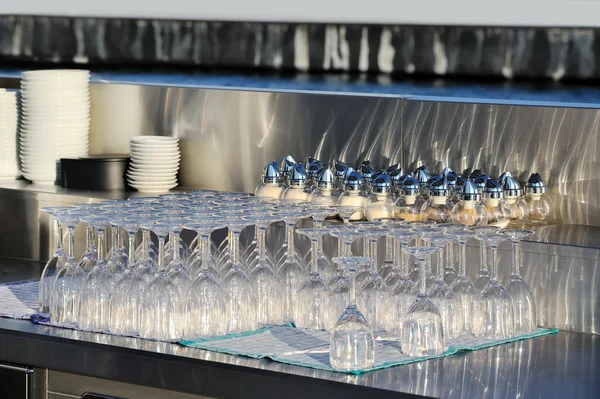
[(463, 288), (352, 346), (494, 304), (524, 311), (201, 258), (161, 310), (239, 293), (94, 306), (66, 289), (290, 272), (311, 303), (483, 276), (126, 298), (440, 293), (55, 263), (264, 277), (422, 332), (450, 271), (177, 269), (205, 303)]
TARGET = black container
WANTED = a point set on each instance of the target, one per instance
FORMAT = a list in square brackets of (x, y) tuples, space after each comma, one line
[(100, 172)]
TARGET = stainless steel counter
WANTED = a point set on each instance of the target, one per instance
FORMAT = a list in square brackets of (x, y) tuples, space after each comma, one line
[(557, 366)]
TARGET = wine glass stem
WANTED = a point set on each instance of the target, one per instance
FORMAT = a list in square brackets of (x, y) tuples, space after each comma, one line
[(161, 252), (422, 276), (389, 249), (145, 242), (483, 255), (289, 232), (260, 243), (450, 255), (204, 240), (348, 248), (71, 231), (373, 250), (89, 238), (113, 239), (235, 250), (314, 256), (494, 268), (516, 257), (175, 235), (352, 290), (119, 238), (131, 256), (463, 259), (403, 260), (59, 235), (440, 264), (100, 231)]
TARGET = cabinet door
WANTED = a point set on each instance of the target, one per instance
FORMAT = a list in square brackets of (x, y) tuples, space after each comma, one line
[(15, 381)]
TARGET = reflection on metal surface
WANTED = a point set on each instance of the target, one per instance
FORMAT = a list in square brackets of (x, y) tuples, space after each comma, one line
[(239, 132), (562, 144), (556, 366)]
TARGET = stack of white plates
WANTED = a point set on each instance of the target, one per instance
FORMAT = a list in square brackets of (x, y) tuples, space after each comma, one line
[(154, 163), (9, 168), (55, 118)]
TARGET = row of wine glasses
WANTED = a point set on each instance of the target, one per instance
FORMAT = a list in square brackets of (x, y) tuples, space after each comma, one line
[(165, 288)]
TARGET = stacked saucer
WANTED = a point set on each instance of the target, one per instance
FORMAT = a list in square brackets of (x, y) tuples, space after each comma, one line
[(9, 167), (55, 117), (154, 163)]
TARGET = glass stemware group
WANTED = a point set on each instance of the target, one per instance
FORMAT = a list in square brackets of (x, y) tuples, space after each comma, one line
[(157, 285)]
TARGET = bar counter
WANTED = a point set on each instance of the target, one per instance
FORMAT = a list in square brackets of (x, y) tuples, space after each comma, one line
[(562, 365)]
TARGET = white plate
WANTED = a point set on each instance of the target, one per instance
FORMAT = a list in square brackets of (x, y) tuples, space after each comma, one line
[(152, 180), (155, 155), (156, 150), (153, 139), (153, 189), (164, 147), (154, 162), (134, 174)]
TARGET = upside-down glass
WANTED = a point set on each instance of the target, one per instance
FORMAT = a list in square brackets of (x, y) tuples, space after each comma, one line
[(422, 332), (205, 304), (201, 258), (177, 267), (524, 311), (269, 308), (311, 303), (126, 298), (239, 293), (319, 214), (374, 297), (66, 290), (161, 310), (483, 275), (352, 345), (440, 293), (494, 304), (450, 271), (94, 305), (90, 255), (53, 265), (291, 271), (463, 288), (403, 288)]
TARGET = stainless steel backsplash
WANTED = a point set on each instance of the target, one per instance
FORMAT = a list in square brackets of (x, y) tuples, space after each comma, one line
[(227, 136)]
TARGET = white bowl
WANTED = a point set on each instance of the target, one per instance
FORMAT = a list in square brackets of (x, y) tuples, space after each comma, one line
[(155, 168), (161, 161), (74, 108), (28, 126), (55, 130), (153, 139), (152, 178)]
